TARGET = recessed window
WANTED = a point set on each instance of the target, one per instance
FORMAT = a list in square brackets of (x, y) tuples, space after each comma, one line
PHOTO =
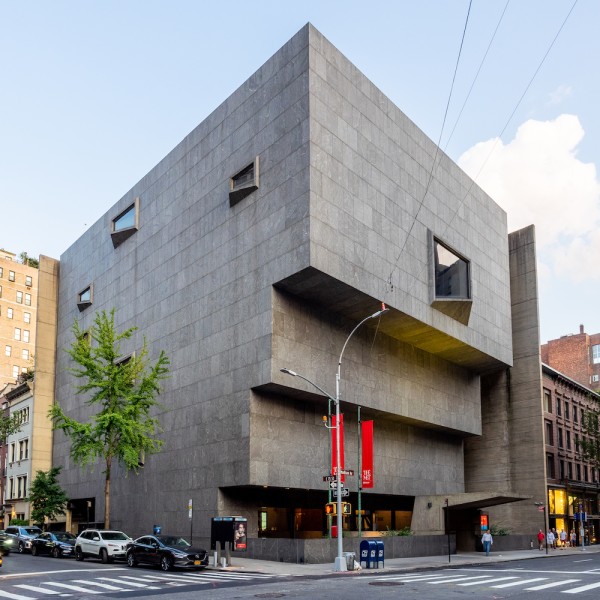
[(27, 299), (26, 335), (595, 378), (15, 371), (25, 354), (28, 280), (11, 275), (244, 182), (1, 272), (19, 297), (17, 333), (7, 350), (9, 313), (27, 317), (85, 298), (125, 224), (451, 273), (0, 291)]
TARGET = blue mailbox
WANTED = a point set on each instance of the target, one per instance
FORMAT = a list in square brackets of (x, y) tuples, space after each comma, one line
[(368, 554), (380, 553)]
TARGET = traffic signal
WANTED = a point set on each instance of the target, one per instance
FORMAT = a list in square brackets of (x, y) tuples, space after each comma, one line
[(331, 508)]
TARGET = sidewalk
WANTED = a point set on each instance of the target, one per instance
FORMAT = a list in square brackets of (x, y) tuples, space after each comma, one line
[(401, 564)]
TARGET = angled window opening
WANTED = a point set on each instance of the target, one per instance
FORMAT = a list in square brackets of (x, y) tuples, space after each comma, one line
[(125, 224), (85, 298), (450, 281), (244, 182)]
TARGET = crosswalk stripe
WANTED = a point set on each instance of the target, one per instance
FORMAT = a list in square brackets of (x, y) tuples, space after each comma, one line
[(35, 588), (13, 596), (105, 586), (410, 577), (66, 586), (583, 588), (522, 582), (545, 586), (492, 580), (130, 583), (452, 580)]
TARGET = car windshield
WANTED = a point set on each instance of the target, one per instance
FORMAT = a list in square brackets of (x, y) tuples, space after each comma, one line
[(64, 537), (113, 535), (169, 540), (32, 530)]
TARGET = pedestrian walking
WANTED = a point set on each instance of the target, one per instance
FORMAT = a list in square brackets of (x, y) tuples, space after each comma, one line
[(550, 538), (563, 538), (573, 539), (541, 537), (487, 540)]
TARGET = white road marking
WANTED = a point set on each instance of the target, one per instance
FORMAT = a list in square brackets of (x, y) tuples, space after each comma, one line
[(583, 588), (523, 582), (545, 586)]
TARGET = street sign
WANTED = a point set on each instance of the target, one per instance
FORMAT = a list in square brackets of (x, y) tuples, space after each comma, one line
[(328, 477), (333, 484), (345, 492), (347, 472), (541, 508)]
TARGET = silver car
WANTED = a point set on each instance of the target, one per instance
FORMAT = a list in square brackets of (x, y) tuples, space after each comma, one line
[(22, 536), (107, 545)]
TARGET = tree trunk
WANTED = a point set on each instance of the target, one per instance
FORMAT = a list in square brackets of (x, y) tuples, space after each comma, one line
[(107, 496)]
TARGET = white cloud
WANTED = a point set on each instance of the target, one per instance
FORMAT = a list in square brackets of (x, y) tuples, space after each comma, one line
[(537, 178), (560, 94)]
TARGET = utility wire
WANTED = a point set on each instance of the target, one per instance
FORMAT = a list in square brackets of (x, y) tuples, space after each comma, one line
[(477, 74), (437, 149)]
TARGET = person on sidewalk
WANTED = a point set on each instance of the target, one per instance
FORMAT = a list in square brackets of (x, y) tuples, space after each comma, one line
[(487, 540), (541, 537), (550, 538), (563, 539), (573, 539)]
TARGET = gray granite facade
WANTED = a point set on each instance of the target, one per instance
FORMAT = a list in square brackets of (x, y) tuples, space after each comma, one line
[(340, 222)]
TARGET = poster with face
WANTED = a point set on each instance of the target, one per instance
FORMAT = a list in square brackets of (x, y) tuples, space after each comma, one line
[(239, 536)]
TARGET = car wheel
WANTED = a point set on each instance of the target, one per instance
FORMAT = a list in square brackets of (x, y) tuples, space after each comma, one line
[(131, 561), (55, 552), (34, 550), (166, 563), (78, 553), (21, 548), (103, 556)]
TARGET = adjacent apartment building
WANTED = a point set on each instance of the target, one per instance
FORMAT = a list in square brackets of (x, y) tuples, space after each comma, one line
[(577, 356), (287, 216), (29, 450)]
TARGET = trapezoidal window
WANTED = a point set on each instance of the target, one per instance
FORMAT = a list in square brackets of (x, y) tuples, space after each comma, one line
[(450, 281), (244, 182), (85, 298), (125, 224)]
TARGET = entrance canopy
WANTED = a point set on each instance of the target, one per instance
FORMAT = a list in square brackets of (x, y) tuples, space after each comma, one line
[(481, 499)]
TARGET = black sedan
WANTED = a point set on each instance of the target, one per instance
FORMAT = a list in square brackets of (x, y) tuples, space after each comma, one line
[(167, 552), (55, 543)]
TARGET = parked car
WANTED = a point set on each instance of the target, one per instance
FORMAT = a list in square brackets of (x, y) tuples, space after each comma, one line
[(22, 536), (55, 543), (6, 543), (167, 552), (107, 545)]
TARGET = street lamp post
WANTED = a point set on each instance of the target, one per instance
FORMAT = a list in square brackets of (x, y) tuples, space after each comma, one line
[(542, 506), (340, 562)]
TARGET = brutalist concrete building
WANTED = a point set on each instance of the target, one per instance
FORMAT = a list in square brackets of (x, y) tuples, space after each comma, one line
[(286, 217)]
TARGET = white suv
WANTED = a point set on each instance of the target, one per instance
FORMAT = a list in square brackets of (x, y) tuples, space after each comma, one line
[(103, 544)]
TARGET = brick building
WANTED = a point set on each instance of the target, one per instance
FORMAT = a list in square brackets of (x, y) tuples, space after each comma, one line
[(577, 356), (573, 483)]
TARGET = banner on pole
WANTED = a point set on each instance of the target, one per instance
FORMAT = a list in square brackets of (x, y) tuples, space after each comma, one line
[(334, 434), (367, 454)]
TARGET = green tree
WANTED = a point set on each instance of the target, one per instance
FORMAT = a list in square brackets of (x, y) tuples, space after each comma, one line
[(9, 426), (124, 388), (589, 444), (47, 497), (28, 260)]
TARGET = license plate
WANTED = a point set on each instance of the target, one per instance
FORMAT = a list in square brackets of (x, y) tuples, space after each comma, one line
[(197, 562)]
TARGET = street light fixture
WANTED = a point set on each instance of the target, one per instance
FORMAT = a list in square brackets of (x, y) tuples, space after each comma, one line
[(340, 562)]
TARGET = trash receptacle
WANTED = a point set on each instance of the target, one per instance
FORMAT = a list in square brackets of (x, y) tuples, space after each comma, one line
[(350, 558)]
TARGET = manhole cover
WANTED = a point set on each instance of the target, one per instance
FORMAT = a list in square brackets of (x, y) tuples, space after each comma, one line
[(385, 583), (270, 595)]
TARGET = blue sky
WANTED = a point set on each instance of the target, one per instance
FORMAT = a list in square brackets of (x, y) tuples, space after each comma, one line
[(95, 93)]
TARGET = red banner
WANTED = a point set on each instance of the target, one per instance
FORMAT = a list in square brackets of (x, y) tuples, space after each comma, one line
[(367, 454), (334, 433)]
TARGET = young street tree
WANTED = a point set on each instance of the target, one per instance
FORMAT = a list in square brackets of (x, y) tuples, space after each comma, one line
[(124, 388), (47, 497), (589, 444)]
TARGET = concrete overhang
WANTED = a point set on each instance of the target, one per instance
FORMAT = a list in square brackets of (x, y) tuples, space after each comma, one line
[(481, 499), (329, 293)]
